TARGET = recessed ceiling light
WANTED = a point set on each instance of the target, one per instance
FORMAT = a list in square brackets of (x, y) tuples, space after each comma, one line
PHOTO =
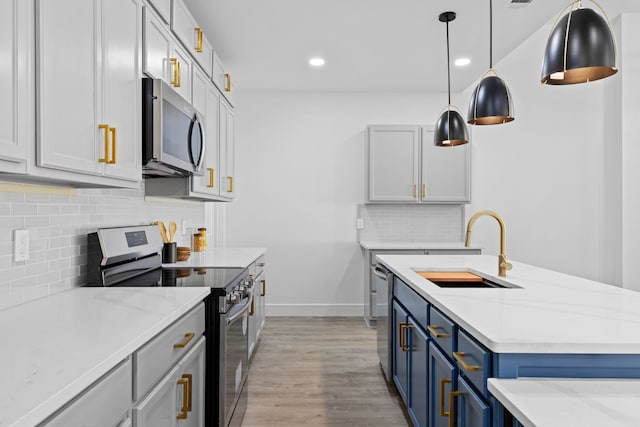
[(316, 62), (462, 62)]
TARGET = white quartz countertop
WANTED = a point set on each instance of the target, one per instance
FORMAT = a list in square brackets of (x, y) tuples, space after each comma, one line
[(551, 312), (220, 257), (371, 244), (55, 347), (542, 402)]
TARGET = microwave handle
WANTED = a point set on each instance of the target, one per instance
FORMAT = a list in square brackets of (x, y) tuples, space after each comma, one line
[(197, 121)]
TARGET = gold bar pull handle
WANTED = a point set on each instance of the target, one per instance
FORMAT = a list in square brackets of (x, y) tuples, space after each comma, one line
[(105, 159), (114, 142), (187, 337), (452, 397), (264, 287), (198, 31), (424, 190), (261, 264), (184, 412), (459, 356), (230, 189), (227, 76), (415, 191), (174, 80), (443, 381), (401, 328), (434, 331), (179, 76), (189, 378), (407, 348), (211, 183)]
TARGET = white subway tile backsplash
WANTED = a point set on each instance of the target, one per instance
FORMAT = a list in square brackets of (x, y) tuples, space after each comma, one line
[(58, 226)]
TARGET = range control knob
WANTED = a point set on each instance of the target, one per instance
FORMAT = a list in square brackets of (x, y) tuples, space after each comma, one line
[(233, 298)]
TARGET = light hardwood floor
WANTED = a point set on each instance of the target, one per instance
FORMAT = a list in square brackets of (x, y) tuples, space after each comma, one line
[(319, 371)]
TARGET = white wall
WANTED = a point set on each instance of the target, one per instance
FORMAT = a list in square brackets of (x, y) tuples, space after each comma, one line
[(543, 173), (300, 177)]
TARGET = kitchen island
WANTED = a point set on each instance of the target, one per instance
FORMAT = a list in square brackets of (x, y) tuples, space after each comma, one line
[(540, 324)]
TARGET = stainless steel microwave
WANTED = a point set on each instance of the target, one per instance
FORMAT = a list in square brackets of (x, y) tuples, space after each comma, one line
[(172, 132)]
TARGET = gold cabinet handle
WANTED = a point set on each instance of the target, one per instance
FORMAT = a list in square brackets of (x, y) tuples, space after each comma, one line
[(230, 190), (113, 145), (198, 31), (459, 356), (452, 397), (264, 287), (403, 339), (174, 81), (179, 76), (444, 381), (227, 76), (105, 159), (401, 327), (424, 190), (261, 264), (189, 378), (185, 391), (415, 191), (211, 183), (434, 330), (187, 337)]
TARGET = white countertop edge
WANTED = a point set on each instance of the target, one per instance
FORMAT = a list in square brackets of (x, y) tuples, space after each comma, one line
[(58, 400), (380, 245), (494, 387)]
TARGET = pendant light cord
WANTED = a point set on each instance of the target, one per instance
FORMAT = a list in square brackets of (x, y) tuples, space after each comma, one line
[(448, 66), (490, 34)]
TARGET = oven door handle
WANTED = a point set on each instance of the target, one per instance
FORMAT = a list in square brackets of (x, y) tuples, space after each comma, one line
[(236, 316)]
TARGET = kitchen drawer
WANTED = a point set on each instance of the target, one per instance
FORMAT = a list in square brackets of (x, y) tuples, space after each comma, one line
[(259, 266), (442, 330), (156, 357), (474, 361), (414, 303), (106, 403)]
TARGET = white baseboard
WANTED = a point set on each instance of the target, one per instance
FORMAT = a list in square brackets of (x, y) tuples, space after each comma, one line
[(318, 310)]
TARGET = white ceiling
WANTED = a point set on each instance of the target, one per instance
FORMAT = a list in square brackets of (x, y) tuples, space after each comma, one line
[(369, 45)]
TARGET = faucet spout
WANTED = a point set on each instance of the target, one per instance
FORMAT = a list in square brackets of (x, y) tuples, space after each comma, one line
[(503, 263)]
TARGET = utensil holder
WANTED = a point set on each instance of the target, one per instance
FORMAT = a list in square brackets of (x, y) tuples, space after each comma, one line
[(169, 252)]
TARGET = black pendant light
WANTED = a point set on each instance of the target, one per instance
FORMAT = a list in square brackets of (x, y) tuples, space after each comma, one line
[(491, 101), (580, 49), (450, 128)]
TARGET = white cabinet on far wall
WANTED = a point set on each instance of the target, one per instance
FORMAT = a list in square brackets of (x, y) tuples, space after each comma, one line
[(14, 85), (88, 65), (222, 78), (403, 166)]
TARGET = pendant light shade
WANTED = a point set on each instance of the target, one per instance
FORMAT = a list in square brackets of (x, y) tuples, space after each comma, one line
[(581, 48), (491, 101), (450, 128)]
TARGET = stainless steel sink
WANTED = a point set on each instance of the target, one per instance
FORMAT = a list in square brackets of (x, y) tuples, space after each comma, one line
[(484, 283)]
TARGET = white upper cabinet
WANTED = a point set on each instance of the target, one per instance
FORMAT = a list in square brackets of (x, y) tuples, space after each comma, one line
[(15, 86), (186, 28), (163, 7), (227, 146), (446, 171), (404, 166), (209, 183), (393, 163), (222, 79), (88, 64)]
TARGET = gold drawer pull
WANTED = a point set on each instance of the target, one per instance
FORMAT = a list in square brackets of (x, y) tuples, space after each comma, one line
[(174, 81), (187, 338), (459, 356), (434, 330), (184, 412), (227, 76), (113, 145), (443, 381), (452, 397), (198, 47), (264, 287), (230, 190), (105, 159), (403, 340), (211, 178), (424, 190), (415, 191), (261, 264), (189, 378)]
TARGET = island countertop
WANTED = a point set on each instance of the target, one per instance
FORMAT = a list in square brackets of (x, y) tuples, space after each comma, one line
[(55, 347), (548, 312)]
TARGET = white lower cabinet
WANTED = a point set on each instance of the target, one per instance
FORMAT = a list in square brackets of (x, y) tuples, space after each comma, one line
[(257, 311), (105, 404), (178, 399)]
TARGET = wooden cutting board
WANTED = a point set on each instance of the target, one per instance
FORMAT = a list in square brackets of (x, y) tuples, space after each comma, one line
[(450, 276)]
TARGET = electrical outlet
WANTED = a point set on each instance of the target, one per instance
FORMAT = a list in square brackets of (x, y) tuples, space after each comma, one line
[(21, 245), (184, 226), (359, 223)]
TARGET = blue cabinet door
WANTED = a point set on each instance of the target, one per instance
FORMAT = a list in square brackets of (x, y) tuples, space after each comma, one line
[(472, 410), (442, 380), (400, 350), (418, 375)]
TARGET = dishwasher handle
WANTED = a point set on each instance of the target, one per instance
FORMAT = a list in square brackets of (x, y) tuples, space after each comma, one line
[(379, 271)]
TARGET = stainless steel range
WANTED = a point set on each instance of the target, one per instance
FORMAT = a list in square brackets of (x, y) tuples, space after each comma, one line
[(130, 256)]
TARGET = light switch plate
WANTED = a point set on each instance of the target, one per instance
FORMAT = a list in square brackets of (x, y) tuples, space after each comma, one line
[(21, 245)]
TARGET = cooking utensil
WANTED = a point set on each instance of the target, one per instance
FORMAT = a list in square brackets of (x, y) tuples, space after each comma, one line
[(163, 232), (172, 230)]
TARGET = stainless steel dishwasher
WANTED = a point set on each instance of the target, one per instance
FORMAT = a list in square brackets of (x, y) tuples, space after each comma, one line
[(383, 279)]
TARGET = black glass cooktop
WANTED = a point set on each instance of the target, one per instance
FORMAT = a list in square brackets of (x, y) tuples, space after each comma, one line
[(217, 278)]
